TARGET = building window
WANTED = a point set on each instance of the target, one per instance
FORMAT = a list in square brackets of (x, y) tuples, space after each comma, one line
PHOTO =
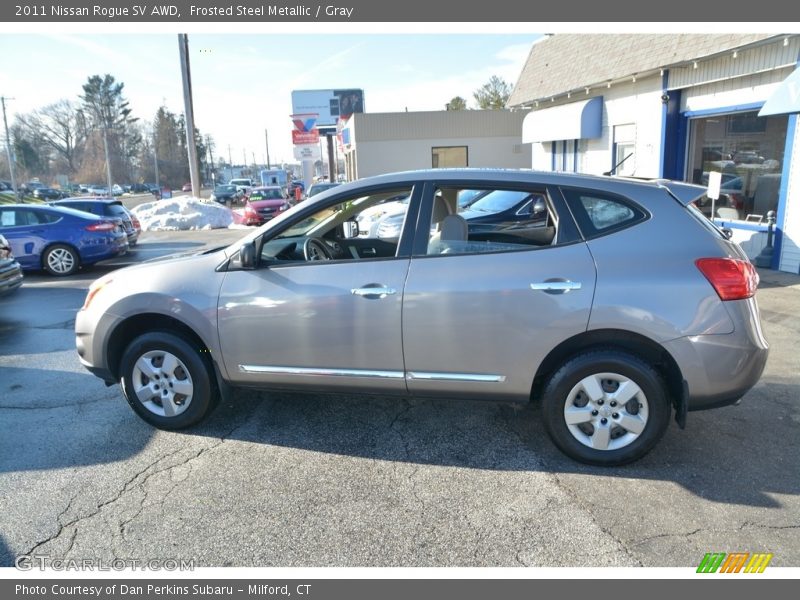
[(748, 151), (624, 150), (443, 157)]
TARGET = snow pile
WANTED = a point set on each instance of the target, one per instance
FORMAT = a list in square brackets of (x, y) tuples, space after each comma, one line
[(183, 213)]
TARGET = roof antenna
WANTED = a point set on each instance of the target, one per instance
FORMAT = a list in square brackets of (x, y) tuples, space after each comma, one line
[(616, 166)]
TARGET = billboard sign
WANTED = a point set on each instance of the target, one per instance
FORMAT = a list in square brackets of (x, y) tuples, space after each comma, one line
[(330, 105)]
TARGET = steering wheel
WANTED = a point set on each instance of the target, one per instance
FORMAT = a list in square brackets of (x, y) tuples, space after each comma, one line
[(314, 249)]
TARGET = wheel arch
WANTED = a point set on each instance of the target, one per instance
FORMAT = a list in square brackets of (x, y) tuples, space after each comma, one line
[(132, 327), (645, 348)]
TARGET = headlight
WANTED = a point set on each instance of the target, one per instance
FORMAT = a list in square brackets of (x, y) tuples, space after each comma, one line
[(94, 289)]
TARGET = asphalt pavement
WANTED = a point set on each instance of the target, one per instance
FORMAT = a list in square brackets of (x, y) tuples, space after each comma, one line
[(315, 480)]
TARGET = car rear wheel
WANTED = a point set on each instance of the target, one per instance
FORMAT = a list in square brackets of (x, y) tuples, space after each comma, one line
[(605, 407), (167, 381), (61, 260)]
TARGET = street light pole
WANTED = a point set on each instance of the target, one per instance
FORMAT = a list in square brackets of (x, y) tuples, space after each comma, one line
[(8, 147), (266, 135)]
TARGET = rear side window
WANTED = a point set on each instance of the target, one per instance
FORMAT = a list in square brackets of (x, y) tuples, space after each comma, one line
[(598, 213), (115, 210), (492, 219)]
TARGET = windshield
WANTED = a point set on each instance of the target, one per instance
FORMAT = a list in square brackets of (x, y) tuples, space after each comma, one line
[(274, 194), (225, 189)]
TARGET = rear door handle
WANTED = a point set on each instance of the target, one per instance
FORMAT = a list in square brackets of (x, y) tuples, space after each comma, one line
[(556, 286), (373, 291)]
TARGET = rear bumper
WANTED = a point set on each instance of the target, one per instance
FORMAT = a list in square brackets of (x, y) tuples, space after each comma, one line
[(719, 369), (10, 277)]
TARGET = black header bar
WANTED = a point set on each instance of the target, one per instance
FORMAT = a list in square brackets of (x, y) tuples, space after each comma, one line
[(365, 11)]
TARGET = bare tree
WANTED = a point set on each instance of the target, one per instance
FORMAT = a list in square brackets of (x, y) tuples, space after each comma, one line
[(62, 128)]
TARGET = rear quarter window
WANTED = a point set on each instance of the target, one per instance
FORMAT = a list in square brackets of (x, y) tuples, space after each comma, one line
[(598, 213)]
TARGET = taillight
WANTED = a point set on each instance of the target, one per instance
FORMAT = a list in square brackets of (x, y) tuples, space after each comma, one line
[(732, 278), (101, 226)]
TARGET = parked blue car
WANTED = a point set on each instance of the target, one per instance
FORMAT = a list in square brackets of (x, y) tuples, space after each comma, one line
[(59, 240), (109, 208)]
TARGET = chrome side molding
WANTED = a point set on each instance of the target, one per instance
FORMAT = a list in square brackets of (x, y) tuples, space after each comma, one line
[(368, 373)]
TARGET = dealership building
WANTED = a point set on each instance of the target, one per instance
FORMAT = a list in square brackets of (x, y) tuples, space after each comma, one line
[(377, 143), (677, 107)]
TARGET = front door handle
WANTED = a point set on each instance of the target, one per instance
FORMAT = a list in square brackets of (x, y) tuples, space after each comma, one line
[(373, 290), (556, 286)]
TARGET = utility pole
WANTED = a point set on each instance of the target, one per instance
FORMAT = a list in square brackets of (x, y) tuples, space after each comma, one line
[(266, 135), (11, 159), (155, 158), (183, 45)]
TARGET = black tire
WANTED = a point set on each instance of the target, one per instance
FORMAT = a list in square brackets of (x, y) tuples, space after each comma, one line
[(620, 432), (61, 260), (193, 370)]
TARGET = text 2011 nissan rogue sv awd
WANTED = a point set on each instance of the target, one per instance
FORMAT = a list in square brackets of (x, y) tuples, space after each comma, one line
[(611, 302)]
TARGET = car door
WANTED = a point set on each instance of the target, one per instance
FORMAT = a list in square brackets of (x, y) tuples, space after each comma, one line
[(316, 324), (481, 313), (25, 233)]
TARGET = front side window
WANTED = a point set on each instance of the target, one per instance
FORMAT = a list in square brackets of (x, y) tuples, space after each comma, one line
[(361, 227)]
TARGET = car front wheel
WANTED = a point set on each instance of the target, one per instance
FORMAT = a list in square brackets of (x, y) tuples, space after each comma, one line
[(605, 407), (167, 381)]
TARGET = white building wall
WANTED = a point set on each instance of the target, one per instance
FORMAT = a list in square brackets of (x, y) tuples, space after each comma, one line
[(636, 103), (790, 246), (378, 157), (733, 92)]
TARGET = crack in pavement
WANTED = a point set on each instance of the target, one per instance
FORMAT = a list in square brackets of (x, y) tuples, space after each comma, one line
[(83, 403), (687, 534), (131, 484)]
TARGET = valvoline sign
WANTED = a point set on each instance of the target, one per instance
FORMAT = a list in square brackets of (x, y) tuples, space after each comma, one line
[(305, 137), (304, 122)]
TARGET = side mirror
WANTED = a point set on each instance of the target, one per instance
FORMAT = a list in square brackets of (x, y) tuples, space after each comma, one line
[(247, 256), (351, 229), (727, 232)]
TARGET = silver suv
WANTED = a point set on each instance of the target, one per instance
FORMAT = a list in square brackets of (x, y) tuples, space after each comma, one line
[(615, 304)]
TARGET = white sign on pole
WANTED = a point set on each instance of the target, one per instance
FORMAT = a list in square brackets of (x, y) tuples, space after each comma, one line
[(306, 152), (714, 184)]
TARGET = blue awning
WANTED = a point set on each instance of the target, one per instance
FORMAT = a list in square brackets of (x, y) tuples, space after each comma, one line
[(785, 99), (575, 121)]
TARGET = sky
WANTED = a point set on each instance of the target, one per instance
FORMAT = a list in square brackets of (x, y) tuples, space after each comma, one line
[(242, 83)]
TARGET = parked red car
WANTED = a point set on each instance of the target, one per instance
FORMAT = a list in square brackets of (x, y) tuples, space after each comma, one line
[(263, 204), (187, 187)]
